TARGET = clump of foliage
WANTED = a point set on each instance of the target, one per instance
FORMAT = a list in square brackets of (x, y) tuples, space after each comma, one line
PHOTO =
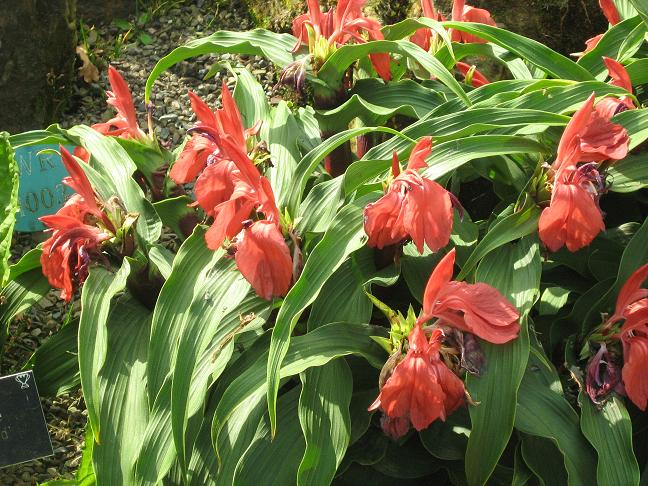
[(410, 274)]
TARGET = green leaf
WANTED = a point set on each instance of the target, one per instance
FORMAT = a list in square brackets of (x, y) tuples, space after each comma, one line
[(85, 475), (145, 39), (8, 203), (538, 54), (638, 71), (636, 122), (251, 100), (543, 411), (553, 299), (325, 420), (123, 405), (463, 124), (509, 228), (115, 170), (98, 290), (315, 348), (629, 174), (515, 271), (312, 159), (446, 157), (258, 42), (259, 464), (332, 72), (177, 214), (206, 322), (320, 206), (544, 460), (283, 134), (611, 43), (345, 235), (642, 9), (22, 292), (609, 430), (55, 363)]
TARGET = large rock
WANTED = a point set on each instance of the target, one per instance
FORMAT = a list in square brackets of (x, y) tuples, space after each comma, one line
[(563, 25), (37, 42)]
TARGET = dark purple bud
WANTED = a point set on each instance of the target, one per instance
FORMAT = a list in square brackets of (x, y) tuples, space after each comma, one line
[(294, 75), (603, 376), (457, 205)]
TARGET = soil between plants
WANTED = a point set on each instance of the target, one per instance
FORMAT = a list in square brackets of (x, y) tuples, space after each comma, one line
[(66, 415)]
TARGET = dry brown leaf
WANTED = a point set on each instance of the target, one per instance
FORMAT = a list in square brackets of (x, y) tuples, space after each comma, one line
[(89, 71)]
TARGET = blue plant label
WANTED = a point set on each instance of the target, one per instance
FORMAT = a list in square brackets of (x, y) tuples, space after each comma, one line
[(41, 191)]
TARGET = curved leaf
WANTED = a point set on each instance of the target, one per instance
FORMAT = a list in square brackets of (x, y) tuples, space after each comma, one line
[(8, 203), (530, 50), (609, 430), (257, 42)]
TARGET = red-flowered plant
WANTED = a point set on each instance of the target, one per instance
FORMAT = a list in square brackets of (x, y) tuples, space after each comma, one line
[(277, 300)]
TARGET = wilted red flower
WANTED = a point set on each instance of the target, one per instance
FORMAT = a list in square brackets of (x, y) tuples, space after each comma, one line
[(337, 27), (610, 11), (263, 258), (477, 308), (421, 388), (465, 13), (123, 125), (590, 137), (422, 36), (472, 75), (75, 232), (610, 106), (573, 217), (413, 206)]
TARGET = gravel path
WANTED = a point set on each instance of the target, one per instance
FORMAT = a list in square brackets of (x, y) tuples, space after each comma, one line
[(66, 415)]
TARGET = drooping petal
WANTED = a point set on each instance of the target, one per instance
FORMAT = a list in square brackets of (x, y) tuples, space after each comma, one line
[(419, 153), (603, 140), (631, 291), (421, 388), (618, 73), (569, 146), (215, 185), (192, 159), (427, 211), (382, 221), (79, 182), (263, 258), (573, 218), (635, 378), (610, 11), (204, 114), (229, 217), (441, 275), (466, 13), (479, 309)]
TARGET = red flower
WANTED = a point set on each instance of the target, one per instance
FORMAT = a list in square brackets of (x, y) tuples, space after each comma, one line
[(610, 11), (421, 389), (205, 145), (472, 75), (477, 308), (590, 137), (610, 106), (422, 36), (123, 125), (632, 305), (75, 234), (573, 217), (465, 13), (413, 206), (338, 27), (263, 258)]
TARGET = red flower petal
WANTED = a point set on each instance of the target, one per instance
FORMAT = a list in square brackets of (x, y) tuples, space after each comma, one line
[(263, 258), (419, 153)]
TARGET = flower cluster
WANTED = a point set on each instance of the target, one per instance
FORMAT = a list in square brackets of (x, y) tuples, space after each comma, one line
[(422, 388), (573, 217), (232, 191)]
